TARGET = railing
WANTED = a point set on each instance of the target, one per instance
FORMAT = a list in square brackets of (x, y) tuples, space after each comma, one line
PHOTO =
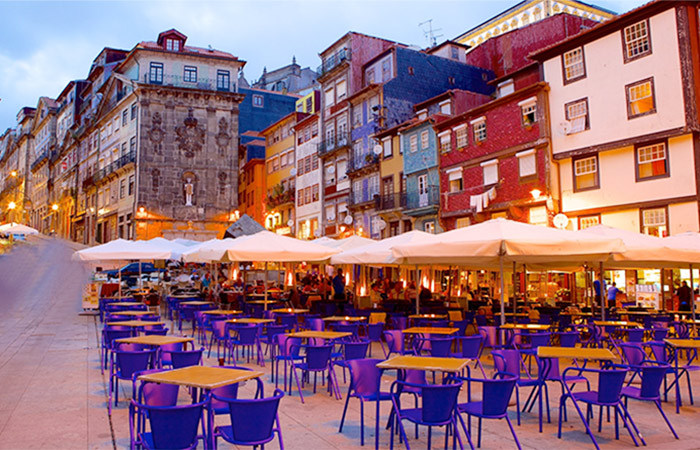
[(363, 199), (329, 145), (207, 84), (431, 197), (44, 155), (334, 61), (88, 181), (281, 199), (361, 161), (114, 166), (391, 201)]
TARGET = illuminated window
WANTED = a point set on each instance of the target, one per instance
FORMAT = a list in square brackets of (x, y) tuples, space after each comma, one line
[(640, 98), (588, 221), (455, 179), (654, 222), (586, 173), (652, 161), (528, 113), (636, 40), (574, 67)]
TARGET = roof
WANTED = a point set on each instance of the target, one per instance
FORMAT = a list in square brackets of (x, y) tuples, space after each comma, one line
[(308, 118), (430, 101), (245, 226), (171, 31), (362, 91), (350, 33), (251, 133), (284, 119), (257, 142), (187, 50), (605, 28), (447, 42), (433, 118)]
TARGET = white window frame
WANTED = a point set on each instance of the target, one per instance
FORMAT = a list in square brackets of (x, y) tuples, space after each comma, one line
[(527, 163), (424, 140), (479, 127), (574, 65), (490, 172), (413, 142), (461, 136), (445, 141), (637, 40)]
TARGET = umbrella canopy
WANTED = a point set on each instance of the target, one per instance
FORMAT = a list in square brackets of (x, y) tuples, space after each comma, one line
[(157, 248), (17, 228), (208, 251), (348, 243), (490, 243), (380, 252), (644, 251), (266, 246)]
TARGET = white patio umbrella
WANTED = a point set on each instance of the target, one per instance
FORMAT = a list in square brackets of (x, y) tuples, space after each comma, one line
[(17, 228), (497, 241), (208, 251), (347, 243), (380, 252)]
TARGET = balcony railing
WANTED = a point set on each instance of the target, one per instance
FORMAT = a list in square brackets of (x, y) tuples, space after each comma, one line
[(329, 145), (334, 61), (416, 200), (207, 84), (391, 201), (362, 199), (114, 166), (361, 161)]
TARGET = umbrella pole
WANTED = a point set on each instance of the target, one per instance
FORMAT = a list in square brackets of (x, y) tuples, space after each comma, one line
[(515, 296), (265, 282), (603, 296), (449, 286), (120, 282), (140, 281), (419, 284), (692, 301), (503, 311)]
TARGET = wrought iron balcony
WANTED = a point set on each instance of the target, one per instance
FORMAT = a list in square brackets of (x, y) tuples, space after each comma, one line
[(362, 199), (334, 61), (207, 84), (391, 201), (327, 146), (429, 198), (361, 161), (113, 167)]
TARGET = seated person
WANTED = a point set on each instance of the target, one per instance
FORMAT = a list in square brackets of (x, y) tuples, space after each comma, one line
[(425, 294), (410, 292)]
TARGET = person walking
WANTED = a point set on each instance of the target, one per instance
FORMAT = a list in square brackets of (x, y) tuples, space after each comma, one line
[(612, 295), (684, 294)]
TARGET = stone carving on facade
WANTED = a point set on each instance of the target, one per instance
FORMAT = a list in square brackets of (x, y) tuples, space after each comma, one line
[(188, 188), (222, 182), (155, 179), (222, 137), (156, 133), (190, 135)]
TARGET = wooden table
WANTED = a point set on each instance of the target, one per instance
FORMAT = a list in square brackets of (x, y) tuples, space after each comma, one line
[(290, 311), (155, 340), (676, 345), (124, 304), (221, 312), (430, 330), (131, 313), (428, 316), (196, 303), (408, 362), (310, 334), (615, 323), (596, 354), (344, 319), (136, 323), (250, 320), (263, 302), (526, 326), (510, 314)]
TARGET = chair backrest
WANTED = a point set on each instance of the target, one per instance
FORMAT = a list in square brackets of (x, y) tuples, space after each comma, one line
[(507, 361), (659, 334), (347, 328), (439, 402), (399, 322), (364, 376), (129, 363), (155, 332), (659, 350), (440, 346), (461, 326), (355, 350), (653, 375), (289, 321), (174, 426), (318, 356), (374, 331), (564, 321), (377, 318), (273, 330), (496, 395), (545, 319), (287, 346), (156, 394), (480, 320), (568, 338), (186, 358), (314, 324), (471, 345), (682, 330), (165, 350), (539, 340), (610, 385), (633, 353), (246, 334), (394, 340), (635, 335), (228, 391), (219, 329), (454, 315), (110, 335), (489, 335), (252, 420)]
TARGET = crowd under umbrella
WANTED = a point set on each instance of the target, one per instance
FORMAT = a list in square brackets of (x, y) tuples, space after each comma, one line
[(379, 253), (493, 243)]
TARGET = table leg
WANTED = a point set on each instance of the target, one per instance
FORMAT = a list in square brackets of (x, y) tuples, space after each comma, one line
[(678, 388)]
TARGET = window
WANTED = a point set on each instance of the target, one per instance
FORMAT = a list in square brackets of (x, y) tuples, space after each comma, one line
[(528, 111), (463, 222), (505, 87), (172, 45), (387, 149), (640, 98), (309, 105), (652, 161), (314, 161), (330, 213), (538, 216), (526, 163), (156, 73), (588, 221), (314, 193), (223, 80), (454, 177), (479, 129), (132, 144), (300, 167), (414, 143), (461, 136), (586, 173), (330, 96), (410, 70), (125, 115), (116, 123), (424, 140), (300, 197), (342, 169), (636, 41), (341, 89), (122, 188), (490, 169), (330, 174), (190, 74), (357, 116), (369, 76), (386, 69), (574, 66), (133, 111), (307, 195), (445, 141), (454, 53), (655, 222), (446, 107), (576, 114), (429, 227), (307, 164), (131, 184)]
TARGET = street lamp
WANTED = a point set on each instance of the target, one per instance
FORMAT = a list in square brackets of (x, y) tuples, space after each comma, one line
[(11, 205), (13, 173), (54, 207)]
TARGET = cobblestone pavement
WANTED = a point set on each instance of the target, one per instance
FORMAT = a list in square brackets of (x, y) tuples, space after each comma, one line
[(52, 394)]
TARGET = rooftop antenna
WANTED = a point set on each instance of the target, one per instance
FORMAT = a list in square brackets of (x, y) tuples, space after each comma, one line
[(430, 32)]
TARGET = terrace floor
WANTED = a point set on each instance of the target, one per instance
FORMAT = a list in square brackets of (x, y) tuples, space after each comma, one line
[(52, 394)]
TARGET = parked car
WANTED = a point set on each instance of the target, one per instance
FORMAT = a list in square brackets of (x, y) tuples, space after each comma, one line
[(132, 269)]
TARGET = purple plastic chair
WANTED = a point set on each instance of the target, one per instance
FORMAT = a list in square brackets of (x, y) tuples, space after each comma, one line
[(268, 338), (186, 358), (314, 324), (470, 348), (164, 357), (438, 408), (509, 361), (220, 334), (609, 391), (437, 346), (353, 328), (287, 351), (351, 351), (289, 321), (568, 339), (171, 427), (123, 365), (530, 349), (374, 334), (652, 374), (495, 396), (155, 331), (395, 342), (253, 421), (109, 335), (364, 386), (664, 354), (316, 359), (245, 336)]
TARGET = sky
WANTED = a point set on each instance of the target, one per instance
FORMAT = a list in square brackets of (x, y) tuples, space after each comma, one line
[(46, 44)]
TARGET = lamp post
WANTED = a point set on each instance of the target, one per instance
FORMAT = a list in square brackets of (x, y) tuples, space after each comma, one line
[(54, 218)]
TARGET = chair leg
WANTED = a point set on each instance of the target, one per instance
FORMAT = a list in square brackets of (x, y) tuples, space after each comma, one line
[(345, 410), (625, 415), (658, 405), (512, 430)]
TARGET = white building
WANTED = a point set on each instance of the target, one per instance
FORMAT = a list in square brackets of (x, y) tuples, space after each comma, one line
[(308, 178)]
